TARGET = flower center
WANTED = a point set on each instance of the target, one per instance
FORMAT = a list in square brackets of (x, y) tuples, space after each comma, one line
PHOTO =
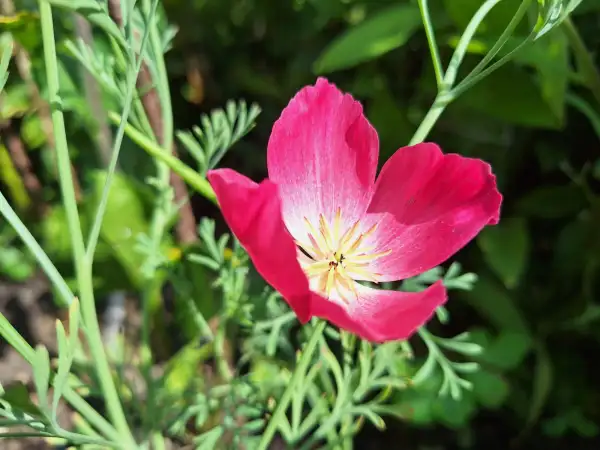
[(333, 260)]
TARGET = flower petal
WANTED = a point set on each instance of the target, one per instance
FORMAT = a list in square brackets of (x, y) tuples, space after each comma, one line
[(322, 154), (253, 213), (381, 316), (428, 206)]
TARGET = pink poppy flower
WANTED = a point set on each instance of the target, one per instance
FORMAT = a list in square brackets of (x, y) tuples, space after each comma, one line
[(321, 222)]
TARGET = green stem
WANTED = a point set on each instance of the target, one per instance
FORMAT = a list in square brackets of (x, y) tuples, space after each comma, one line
[(433, 47), (586, 109), (584, 58), (195, 180), (445, 94), (348, 345), (437, 108), (132, 77), (222, 365), (501, 40), (150, 296), (470, 81), (299, 372), (463, 44), (83, 267), (42, 258)]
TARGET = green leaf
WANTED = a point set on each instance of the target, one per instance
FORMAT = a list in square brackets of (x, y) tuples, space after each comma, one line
[(41, 374), (25, 28), (490, 389), (492, 301), (508, 350), (506, 249), (455, 413), (16, 264), (461, 12), (542, 384), (552, 202), (15, 101), (124, 220), (510, 94), (32, 131), (182, 369), (553, 71), (6, 46), (209, 440), (10, 177), (573, 248), (18, 397), (379, 34)]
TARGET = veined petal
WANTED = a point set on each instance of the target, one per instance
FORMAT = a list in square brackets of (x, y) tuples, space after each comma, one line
[(253, 213), (322, 154), (380, 315), (428, 206)]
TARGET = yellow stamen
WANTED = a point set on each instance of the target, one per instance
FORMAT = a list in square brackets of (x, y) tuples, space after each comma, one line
[(317, 267), (326, 232), (346, 281), (330, 281), (370, 256), (348, 234), (361, 272), (334, 260), (316, 238)]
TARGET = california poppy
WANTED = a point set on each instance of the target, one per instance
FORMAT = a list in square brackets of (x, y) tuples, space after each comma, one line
[(322, 222)]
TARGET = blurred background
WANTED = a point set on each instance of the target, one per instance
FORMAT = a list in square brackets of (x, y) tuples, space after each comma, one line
[(534, 307)]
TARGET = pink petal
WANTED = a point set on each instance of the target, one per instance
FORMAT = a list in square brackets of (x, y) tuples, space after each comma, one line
[(253, 212), (428, 206), (322, 154), (379, 315)]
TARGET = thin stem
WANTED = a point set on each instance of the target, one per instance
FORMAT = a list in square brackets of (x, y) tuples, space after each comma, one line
[(42, 258), (159, 112), (445, 94), (348, 346), (82, 264), (222, 364), (586, 109), (433, 47), (62, 149), (463, 44), (299, 372), (190, 176), (521, 11), (162, 85), (432, 116), (131, 81), (584, 58), (467, 83)]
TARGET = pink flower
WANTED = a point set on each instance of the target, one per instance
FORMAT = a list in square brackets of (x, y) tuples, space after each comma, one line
[(321, 222)]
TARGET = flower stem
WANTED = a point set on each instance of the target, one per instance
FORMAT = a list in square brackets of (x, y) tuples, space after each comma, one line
[(585, 62), (193, 178), (116, 149), (299, 372), (433, 47), (83, 266), (437, 108)]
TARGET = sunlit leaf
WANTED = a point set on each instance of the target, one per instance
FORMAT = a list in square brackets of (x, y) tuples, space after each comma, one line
[(384, 31)]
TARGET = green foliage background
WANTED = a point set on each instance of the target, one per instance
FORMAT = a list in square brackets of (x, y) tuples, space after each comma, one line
[(535, 305)]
